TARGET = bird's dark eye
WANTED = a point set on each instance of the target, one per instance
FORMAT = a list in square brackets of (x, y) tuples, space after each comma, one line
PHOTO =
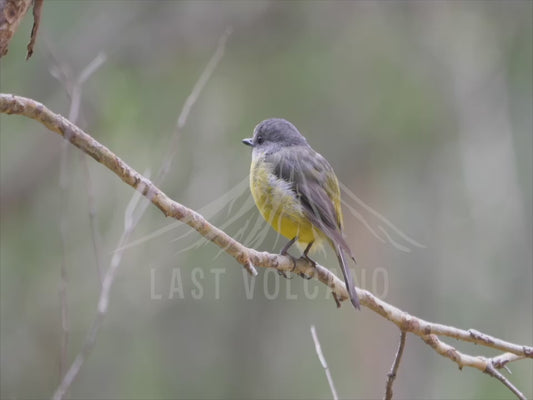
[(260, 139)]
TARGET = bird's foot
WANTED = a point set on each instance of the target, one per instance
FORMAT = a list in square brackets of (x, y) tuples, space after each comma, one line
[(306, 257), (309, 260), (285, 249), (301, 274), (283, 274), (285, 252)]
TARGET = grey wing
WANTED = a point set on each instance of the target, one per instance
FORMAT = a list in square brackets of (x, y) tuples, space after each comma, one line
[(307, 172)]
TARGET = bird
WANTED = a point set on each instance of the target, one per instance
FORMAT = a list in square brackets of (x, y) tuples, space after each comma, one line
[(297, 192)]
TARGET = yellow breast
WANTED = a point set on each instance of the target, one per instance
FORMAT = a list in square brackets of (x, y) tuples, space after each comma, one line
[(279, 206)]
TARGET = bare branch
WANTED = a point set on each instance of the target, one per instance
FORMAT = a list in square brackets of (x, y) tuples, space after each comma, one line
[(130, 220), (485, 365), (191, 100), (74, 89), (37, 7), (422, 328), (492, 371), (95, 237), (502, 360), (63, 284), (391, 376), (428, 331), (75, 367), (204, 77), (322, 359)]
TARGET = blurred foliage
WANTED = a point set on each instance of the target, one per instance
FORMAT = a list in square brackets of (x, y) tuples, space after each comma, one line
[(423, 108)]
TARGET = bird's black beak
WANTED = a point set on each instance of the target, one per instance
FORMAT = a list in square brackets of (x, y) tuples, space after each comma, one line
[(248, 142)]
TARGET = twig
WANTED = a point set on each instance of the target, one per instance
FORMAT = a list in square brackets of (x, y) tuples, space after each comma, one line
[(103, 303), (492, 371), (191, 100), (63, 284), (74, 89), (323, 362), (485, 365), (75, 367), (131, 219), (10, 104), (502, 360), (95, 237), (37, 7), (75, 96), (391, 376)]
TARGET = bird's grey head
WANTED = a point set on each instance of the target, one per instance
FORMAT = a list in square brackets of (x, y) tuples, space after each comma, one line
[(273, 134)]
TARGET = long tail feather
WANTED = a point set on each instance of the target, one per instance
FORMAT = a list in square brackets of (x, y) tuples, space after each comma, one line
[(348, 280)]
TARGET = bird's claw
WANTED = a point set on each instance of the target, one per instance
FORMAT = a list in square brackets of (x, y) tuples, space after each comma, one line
[(309, 260), (302, 275), (283, 274)]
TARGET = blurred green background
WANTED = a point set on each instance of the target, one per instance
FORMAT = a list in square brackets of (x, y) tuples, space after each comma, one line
[(424, 109)]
